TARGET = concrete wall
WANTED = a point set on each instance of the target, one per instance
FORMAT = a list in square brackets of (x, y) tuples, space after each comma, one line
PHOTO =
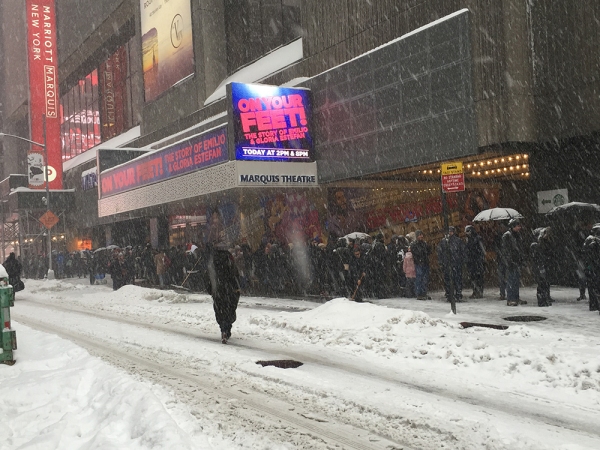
[(565, 41), (405, 104), (14, 59)]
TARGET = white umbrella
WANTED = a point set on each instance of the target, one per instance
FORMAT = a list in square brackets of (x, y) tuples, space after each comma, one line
[(357, 235), (497, 214)]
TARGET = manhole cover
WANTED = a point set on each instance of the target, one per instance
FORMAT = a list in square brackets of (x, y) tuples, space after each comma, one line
[(281, 363), (484, 325), (525, 318)]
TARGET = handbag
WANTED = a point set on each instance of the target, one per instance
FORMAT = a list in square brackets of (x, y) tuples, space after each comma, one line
[(19, 285)]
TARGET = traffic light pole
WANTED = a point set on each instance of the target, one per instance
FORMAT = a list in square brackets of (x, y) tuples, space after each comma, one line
[(50, 274)]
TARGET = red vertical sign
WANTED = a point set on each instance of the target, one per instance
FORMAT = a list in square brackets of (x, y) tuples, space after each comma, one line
[(43, 94)]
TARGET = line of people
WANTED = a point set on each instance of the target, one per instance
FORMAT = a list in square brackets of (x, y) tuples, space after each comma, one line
[(344, 267)]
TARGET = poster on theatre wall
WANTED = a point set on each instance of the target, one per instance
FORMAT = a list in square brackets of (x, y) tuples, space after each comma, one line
[(167, 46)]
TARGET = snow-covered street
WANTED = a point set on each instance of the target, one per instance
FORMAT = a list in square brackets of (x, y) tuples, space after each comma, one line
[(144, 368)]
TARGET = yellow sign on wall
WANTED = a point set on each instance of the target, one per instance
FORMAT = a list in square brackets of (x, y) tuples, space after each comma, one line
[(452, 168)]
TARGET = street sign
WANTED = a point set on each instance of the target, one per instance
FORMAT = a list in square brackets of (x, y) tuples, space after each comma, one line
[(453, 178), (49, 219)]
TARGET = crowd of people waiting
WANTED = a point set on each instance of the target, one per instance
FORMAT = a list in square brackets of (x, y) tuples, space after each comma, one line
[(352, 268)]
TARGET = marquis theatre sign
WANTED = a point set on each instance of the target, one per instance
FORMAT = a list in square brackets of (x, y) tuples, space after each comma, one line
[(270, 123), (276, 174)]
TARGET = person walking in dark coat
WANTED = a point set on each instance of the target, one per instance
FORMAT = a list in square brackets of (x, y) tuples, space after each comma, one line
[(377, 270), (357, 272), (580, 235), (450, 253), (344, 256), (421, 251), (541, 257), (513, 257), (224, 282), (118, 271), (148, 264), (475, 259), (591, 253), (501, 264), (395, 251), (13, 269)]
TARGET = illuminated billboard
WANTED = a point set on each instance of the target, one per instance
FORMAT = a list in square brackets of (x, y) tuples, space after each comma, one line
[(167, 47), (270, 123), (195, 153)]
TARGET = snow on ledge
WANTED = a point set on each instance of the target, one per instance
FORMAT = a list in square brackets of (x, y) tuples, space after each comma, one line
[(113, 143), (262, 68)]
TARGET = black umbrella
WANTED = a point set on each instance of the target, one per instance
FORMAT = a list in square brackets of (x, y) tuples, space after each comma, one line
[(576, 211)]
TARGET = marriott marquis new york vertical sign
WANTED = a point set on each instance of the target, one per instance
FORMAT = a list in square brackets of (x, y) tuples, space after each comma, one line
[(43, 94)]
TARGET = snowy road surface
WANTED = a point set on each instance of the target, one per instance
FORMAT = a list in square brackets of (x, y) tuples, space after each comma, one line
[(374, 376)]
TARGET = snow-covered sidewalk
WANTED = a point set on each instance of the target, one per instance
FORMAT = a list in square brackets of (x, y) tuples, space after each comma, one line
[(58, 396)]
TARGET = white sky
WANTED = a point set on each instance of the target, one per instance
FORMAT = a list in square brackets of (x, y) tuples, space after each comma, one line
[(403, 369)]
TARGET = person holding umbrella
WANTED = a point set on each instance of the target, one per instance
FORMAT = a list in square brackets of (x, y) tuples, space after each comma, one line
[(513, 257), (500, 216)]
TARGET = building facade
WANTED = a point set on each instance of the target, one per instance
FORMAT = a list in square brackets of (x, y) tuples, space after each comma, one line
[(509, 88)]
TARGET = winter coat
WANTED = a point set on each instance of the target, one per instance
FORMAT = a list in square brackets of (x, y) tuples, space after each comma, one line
[(420, 251), (12, 266), (541, 258), (344, 255), (409, 265), (591, 254), (224, 286), (451, 251), (160, 263), (118, 272), (474, 254), (511, 250), (358, 266)]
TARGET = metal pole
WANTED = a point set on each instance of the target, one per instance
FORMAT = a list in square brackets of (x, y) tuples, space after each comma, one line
[(3, 233), (50, 275)]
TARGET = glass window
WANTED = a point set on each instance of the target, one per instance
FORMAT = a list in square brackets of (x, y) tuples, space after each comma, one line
[(101, 105)]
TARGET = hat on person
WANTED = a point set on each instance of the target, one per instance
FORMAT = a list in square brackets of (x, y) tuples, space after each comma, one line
[(596, 229), (451, 229), (513, 223), (469, 229), (418, 233)]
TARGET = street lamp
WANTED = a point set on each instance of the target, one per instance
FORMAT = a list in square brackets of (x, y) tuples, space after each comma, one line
[(49, 245)]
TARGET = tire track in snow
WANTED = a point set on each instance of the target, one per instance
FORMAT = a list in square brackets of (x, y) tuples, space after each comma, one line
[(282, 421), (538, 411)]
